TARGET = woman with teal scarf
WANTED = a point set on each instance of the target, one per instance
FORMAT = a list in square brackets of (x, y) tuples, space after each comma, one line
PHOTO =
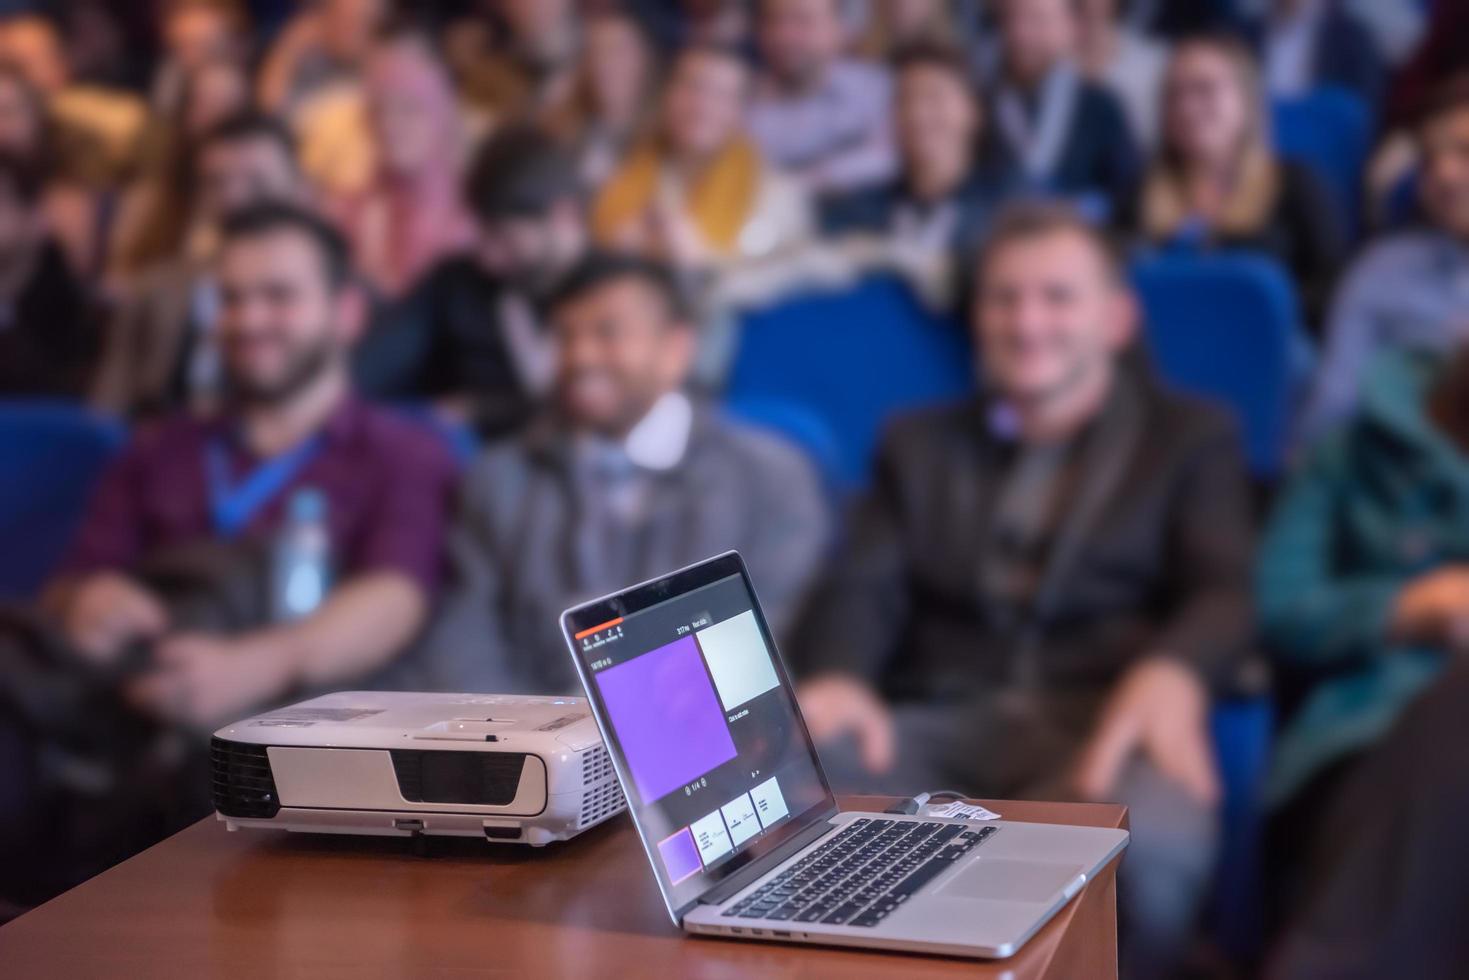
[(1363, 582)]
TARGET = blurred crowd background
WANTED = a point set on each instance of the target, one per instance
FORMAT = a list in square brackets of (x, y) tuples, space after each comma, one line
[(1081, 379)]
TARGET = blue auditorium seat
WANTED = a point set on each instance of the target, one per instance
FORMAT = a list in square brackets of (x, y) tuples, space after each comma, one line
[(1329, 130), (799, 425), (1227, 326), (851, 359), (51, 454), (1242, 729)]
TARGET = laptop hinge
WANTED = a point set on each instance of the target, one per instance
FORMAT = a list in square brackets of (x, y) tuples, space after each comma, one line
[(723, 891)]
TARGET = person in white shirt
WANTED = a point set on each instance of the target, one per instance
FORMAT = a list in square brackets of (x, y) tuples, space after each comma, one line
[(624, 478)]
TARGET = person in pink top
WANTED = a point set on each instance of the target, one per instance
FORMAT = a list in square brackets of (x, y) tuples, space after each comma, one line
[(412, 213)]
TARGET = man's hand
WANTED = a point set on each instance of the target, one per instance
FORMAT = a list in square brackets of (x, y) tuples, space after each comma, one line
[(107, 611), (836, 706), (205, 681), (1159, 708), (1433, 609)]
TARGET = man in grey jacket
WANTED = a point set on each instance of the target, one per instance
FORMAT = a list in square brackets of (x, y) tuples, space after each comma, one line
[(624, 478)]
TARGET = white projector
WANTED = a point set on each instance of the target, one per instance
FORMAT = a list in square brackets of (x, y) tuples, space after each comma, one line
[(520, 769)]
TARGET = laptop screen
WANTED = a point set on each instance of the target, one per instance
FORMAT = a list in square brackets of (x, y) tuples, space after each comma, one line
[(701, 719)]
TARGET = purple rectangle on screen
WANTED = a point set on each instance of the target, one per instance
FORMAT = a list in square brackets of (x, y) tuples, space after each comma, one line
[(680, 855), (666, 716)]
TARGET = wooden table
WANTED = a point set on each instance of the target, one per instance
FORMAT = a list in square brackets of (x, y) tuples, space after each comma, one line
[(208, 903)]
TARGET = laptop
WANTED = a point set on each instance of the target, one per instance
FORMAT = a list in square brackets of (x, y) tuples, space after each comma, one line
[(739, 824)]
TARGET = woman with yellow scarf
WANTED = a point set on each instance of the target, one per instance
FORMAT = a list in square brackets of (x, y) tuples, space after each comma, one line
[(695, 192)]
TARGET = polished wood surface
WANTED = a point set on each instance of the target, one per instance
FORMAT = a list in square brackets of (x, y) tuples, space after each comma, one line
[(208, 903)]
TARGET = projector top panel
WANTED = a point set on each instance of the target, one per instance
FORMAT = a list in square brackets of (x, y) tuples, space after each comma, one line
[(408, 720)]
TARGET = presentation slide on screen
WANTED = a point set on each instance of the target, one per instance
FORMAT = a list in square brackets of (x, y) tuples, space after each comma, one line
[(651, 697), (671, 710)]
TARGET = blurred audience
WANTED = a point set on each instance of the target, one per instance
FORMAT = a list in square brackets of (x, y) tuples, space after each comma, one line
[(608, 102), (203, 496), (817, 112), (1438, 58), (312, 76), (470, 338), (1307, 44), (69, 204), (625, 476), (516, 57), (1063, 133), (98, 125), (697, 193), (1123, 60), (324, 42), (152, 223), (194, 35), (48, 333), (900, 24), (412, 214), (1409, 289), (676, 24), (927, 221), (980, 600), (159, 355), (1217, 182)]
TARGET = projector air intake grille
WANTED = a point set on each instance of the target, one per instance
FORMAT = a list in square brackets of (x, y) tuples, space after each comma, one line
[(601, 796), (242, 783)]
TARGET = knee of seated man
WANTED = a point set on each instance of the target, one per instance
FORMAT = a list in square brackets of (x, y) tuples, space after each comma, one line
[(1172, 832)]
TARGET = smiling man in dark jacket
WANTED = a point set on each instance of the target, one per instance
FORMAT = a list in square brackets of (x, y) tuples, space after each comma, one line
[(1045, 582)]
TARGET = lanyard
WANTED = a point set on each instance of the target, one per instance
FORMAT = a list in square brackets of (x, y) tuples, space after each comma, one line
[(233, 504)]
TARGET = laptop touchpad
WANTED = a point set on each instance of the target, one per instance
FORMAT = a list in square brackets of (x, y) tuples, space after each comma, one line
[(1006, 879)]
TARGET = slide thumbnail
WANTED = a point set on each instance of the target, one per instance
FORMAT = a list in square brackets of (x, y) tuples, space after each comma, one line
[(738, 659), (739, 814), (680, 856), (770, 802), (711, 837)]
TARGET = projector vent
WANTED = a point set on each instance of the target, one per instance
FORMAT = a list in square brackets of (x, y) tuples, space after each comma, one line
[(242, 783), (601, 796), (596, 766)]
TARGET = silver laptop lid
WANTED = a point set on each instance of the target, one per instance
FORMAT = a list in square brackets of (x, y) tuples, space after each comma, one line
[(701, 720)]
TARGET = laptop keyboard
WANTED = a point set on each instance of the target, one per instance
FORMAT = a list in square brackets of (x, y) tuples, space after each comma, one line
[(863, 874)]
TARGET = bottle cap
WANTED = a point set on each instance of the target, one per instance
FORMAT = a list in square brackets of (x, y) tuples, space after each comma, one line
[(308, 505)]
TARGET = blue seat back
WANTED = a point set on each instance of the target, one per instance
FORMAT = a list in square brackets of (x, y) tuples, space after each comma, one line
[(51, 455), (851, 359), (800, 426), (1330, 131), (1243, 731), (1226, 326)]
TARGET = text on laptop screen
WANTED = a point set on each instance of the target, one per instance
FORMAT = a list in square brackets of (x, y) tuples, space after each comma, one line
[(709, 737)]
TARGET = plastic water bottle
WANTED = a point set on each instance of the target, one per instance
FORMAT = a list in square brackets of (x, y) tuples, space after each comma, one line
[(301, 564)]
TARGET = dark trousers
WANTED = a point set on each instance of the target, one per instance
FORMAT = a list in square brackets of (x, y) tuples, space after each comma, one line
[(1390, 894)]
